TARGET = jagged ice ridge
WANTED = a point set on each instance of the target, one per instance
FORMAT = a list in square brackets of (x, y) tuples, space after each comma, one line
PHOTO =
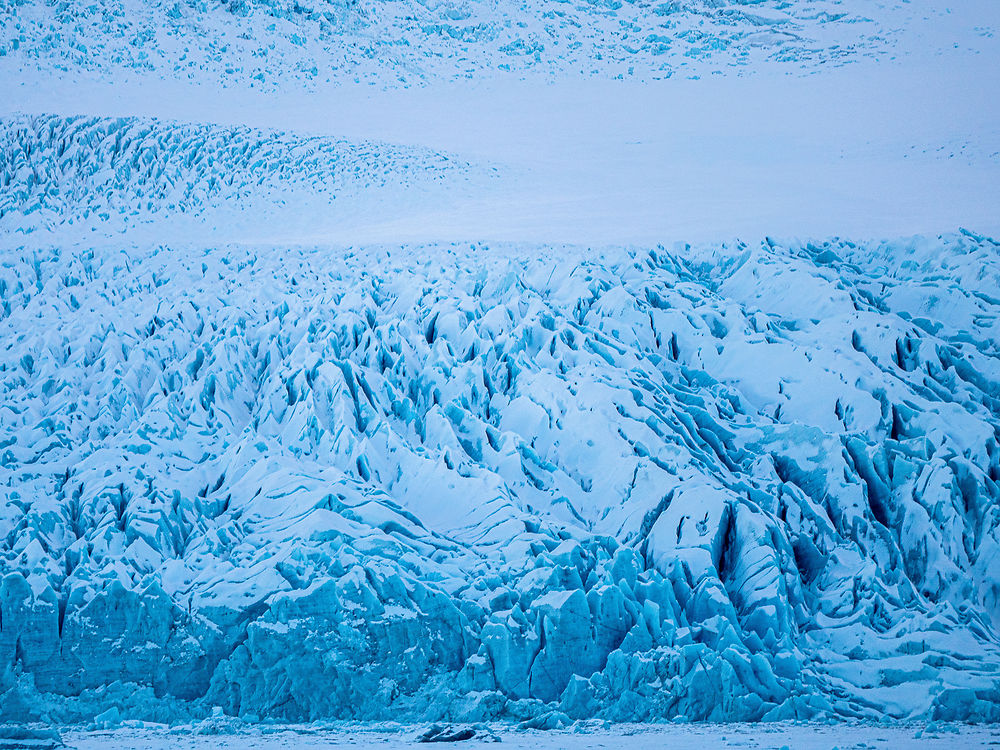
[(466, 482)]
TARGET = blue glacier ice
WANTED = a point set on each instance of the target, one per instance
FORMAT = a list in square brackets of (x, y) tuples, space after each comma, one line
[(351, 367), (721, 482)]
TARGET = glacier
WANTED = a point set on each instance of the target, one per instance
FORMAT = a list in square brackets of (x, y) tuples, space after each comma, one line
[(722, 482), (267, 43), (565, 367)]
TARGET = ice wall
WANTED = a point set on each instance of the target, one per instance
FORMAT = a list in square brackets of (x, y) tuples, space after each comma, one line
[(726, 482)]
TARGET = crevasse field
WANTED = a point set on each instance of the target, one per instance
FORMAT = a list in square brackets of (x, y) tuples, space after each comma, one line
[(574, 374)]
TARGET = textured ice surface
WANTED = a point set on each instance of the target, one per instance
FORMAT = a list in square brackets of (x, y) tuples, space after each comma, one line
[(276, 445), (270, 44), (76, 174), (536, 483), (264, 41)]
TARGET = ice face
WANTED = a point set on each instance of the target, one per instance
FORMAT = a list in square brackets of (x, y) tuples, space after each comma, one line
[(534, 483)]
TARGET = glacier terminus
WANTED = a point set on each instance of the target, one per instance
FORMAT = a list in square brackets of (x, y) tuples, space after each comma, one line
[(588, 373)]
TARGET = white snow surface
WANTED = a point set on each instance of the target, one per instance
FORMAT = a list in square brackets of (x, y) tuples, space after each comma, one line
[(690, 737), (897, 139), (396, 361)]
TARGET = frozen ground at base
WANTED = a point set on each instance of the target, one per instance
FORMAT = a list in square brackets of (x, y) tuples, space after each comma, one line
[(633, 737)]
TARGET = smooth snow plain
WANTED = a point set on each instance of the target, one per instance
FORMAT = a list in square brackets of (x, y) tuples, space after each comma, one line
[(640, 737)]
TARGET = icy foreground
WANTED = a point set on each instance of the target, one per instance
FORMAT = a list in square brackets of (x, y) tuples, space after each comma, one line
[(531, 483), (685, 737)]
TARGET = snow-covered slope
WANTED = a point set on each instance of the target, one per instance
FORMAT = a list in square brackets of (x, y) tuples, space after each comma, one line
[(725, 482), (73, 176)]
